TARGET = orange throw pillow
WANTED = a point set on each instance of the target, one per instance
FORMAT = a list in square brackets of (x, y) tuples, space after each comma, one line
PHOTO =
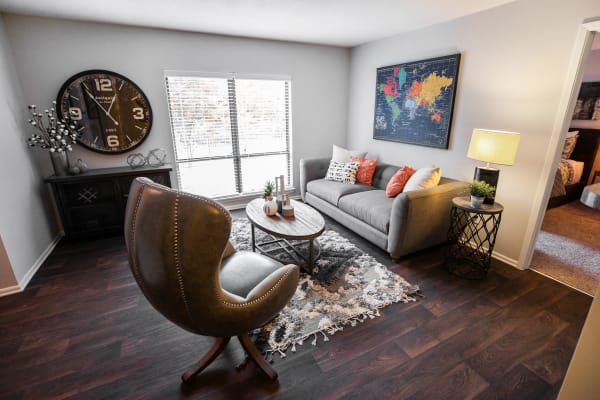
[(366, 169), (397, 182)]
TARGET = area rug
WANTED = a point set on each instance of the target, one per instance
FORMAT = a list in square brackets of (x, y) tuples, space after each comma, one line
[(345, 287), (567, 248)]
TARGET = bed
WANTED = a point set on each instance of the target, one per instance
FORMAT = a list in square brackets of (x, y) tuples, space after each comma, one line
[(575, 167)]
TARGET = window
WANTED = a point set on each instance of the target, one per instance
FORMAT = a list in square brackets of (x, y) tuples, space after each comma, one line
[(230, 134)]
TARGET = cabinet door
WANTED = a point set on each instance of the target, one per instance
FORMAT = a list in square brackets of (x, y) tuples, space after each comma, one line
[(90, 207)]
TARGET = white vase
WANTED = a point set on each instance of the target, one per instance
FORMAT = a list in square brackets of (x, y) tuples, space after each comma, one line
[(476, 202), (270, 207)]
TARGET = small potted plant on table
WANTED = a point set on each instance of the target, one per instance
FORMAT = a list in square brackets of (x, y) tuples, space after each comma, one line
[(270, 206), (479, 190)]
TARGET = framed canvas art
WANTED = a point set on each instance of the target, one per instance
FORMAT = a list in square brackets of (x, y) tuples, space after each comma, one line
[(414, 101), (588, 102)]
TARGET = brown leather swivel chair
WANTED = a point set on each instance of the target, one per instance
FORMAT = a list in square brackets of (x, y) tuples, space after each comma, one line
[(182, 260)]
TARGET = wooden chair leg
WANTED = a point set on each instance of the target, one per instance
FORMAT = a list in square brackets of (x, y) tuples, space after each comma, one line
[(254, 354), (216, 349)]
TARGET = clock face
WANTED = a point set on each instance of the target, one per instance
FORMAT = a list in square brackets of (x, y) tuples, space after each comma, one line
[(113, 113)]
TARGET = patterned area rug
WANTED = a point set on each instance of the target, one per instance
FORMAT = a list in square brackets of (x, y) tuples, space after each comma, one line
[(345, 287)]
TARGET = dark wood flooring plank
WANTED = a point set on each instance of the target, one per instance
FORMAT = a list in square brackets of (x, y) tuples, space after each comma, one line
[(509, 350), (374, 333), (83, 330), (460, 383), (551, 362), (518, 384), (437, 330), (425, 369)]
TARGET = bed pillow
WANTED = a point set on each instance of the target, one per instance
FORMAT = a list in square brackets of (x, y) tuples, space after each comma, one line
[(571, 171), (570, 142), (398, 181), (343, 155), (424, 178), (365, 171), (342, 172)]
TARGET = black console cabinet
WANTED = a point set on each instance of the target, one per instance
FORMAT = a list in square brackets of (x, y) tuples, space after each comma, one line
[(93, 203)]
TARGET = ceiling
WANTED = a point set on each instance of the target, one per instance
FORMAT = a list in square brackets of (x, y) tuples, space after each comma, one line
[(331, 22)]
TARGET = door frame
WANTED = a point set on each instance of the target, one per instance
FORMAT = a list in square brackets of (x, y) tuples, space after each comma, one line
[(579, 57)]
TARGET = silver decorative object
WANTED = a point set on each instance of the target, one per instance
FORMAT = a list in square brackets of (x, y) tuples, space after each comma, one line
[(156, 157), (136, 160)]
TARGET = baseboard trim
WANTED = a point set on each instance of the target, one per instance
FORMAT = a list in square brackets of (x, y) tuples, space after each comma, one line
[(505, 260), (10, 290), (38, 263)]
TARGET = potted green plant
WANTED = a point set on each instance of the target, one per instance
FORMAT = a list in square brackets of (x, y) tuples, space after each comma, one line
[(270, 206), (268, 190), (479, 190)]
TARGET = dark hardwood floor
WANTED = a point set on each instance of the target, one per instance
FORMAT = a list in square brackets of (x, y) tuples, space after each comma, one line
[(82, 329)]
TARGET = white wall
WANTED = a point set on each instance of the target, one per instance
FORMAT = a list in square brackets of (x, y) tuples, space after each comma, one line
[(48, 51), (514, 61), (26, 223)]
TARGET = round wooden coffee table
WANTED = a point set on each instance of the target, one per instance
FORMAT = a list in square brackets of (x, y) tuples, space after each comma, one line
[(306, 224)]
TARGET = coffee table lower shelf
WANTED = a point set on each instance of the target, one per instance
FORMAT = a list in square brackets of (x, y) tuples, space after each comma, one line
[(275, 245)]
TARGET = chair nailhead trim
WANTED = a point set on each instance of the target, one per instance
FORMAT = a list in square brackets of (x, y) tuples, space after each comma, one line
[(176, 257), (258, 299)]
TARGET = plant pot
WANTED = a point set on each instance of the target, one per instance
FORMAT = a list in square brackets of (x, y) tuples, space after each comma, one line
[(476, 202)]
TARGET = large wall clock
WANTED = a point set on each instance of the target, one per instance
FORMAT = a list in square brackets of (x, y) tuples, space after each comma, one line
[(113, 113)]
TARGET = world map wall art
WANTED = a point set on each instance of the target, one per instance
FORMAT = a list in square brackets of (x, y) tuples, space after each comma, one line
[(414, 101)]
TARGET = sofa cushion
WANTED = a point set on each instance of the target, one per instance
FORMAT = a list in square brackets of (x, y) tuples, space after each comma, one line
[(342, 172), (365, 171), (372, 207), (341, 154), (331, 191), (423, 178), (396, 184)]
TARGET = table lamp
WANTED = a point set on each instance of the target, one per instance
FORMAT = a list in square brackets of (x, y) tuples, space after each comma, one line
[(495, 147)]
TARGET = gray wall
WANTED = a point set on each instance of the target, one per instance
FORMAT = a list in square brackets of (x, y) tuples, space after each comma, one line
[(513, 67), (26, 222), (46, 52)]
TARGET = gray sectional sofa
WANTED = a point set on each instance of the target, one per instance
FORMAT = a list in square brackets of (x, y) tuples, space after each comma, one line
[(401, 225)]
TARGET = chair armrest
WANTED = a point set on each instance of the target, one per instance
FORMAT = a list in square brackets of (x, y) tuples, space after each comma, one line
[(311, 169), (420, 218)]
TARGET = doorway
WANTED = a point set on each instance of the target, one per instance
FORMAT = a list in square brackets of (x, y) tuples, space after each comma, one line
[(563, 245)]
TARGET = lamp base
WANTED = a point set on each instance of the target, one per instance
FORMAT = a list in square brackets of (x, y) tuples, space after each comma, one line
[(490, 176)]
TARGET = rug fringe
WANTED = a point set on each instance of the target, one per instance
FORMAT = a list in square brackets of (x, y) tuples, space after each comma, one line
[(332, 329)]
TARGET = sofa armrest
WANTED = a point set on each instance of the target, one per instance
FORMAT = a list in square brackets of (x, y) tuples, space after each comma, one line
[(421, 218), (311, 169)]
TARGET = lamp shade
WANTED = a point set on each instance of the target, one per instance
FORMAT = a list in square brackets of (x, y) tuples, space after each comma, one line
[(496, 147)]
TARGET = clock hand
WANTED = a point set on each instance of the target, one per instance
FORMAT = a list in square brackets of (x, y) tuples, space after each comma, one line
[(102, 108), (111, 103)]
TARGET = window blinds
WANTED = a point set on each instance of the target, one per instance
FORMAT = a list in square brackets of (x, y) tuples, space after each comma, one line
[(230, 135)]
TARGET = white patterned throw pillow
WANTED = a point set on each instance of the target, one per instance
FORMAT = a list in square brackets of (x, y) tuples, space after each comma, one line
[(342, 172)]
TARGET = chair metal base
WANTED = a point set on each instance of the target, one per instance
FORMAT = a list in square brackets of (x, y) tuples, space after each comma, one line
[(218, 347)]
